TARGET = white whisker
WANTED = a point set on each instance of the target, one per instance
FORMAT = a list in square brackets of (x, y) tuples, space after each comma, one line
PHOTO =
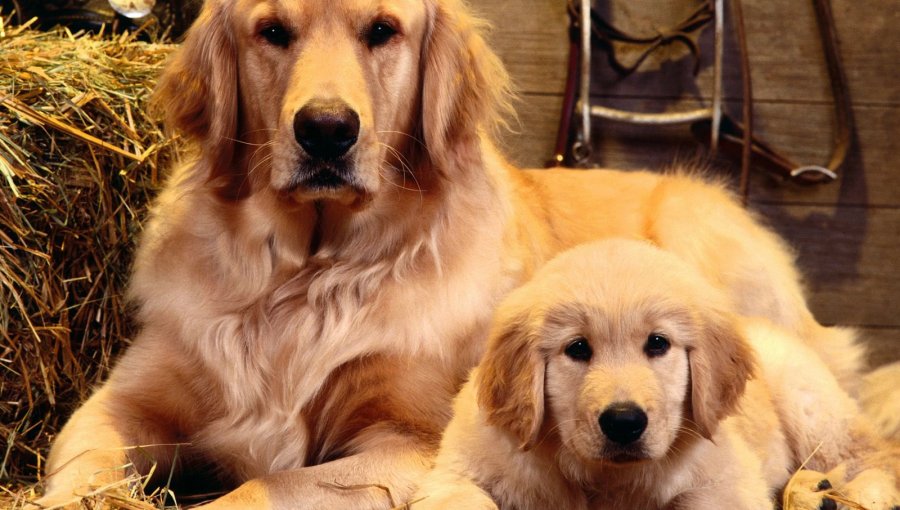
[(411, 137), (405, 170)]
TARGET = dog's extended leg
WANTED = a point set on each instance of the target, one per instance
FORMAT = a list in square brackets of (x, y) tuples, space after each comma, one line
[(381, 477), (113, 435), (88, 453)]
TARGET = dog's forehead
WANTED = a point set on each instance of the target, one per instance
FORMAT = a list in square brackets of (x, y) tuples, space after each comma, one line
[(317, 10)]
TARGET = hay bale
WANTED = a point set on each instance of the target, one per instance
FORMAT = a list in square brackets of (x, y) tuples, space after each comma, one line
[(79, 160)]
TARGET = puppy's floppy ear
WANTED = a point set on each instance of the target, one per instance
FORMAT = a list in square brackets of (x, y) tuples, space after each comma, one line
[(465, 87), (721, 362), (198, 91), (510, 380)]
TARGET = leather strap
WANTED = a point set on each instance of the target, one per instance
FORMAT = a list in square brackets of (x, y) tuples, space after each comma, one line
[(735, 138)]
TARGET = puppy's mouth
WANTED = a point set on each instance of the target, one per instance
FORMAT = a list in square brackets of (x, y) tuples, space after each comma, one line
[(624, 455), (331, 180)]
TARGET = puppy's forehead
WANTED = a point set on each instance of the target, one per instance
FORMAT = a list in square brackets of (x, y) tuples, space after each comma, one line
[(611, 319)]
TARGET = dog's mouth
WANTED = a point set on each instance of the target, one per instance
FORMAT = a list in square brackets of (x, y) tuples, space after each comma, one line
[(327, 181), (326, 178)]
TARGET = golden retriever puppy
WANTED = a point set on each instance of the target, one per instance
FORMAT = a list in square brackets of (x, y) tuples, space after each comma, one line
[(619, 378), (314, 286)]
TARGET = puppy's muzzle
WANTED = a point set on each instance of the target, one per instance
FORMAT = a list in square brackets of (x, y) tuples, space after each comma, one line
[(623, 422), (326, 129)]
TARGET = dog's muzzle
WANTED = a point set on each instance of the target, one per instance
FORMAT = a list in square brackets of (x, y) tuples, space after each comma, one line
[(327, 130)]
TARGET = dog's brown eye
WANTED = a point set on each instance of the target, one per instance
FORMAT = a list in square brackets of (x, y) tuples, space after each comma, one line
[(656, 345), (380, 33), (276, 34), (579, 349)]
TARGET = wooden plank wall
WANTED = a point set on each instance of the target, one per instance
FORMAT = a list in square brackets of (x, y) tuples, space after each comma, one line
[(847, 234)]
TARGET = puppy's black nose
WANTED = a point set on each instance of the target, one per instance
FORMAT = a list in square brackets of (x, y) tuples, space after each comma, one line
[(326, 129), (623, 422)]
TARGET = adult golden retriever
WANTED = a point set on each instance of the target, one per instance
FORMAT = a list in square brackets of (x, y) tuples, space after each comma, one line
[(313, 288), (619, 378)]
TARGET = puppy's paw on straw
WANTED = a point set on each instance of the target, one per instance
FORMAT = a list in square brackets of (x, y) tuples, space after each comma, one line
[(811, 490)]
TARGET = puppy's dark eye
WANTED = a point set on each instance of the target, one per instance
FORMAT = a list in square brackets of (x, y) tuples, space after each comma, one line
[(276, 34), (380, 33), (579, 349), (656, 345)]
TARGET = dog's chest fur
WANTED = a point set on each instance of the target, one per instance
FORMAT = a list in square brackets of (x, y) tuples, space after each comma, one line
[(268, 328)]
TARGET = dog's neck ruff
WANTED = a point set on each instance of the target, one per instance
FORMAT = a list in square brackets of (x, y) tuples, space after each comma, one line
[(299, 291)]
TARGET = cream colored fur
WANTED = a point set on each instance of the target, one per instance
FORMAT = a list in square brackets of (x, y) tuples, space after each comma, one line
[(291, 336), (734, 406)]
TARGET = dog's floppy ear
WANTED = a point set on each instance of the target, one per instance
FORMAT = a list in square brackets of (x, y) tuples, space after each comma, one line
[(197, 93), (510, 379), (721, 362), (465, 87)]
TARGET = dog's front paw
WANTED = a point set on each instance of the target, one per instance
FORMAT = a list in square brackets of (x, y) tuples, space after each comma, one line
[(251, 494), (54, 502)]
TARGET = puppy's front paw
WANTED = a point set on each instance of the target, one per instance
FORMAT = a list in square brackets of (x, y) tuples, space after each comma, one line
[(809, 490), (474, 500), (872, 489)]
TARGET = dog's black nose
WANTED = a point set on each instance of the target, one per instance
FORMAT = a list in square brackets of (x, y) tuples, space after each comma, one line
[(326, 129), (623, 422)]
